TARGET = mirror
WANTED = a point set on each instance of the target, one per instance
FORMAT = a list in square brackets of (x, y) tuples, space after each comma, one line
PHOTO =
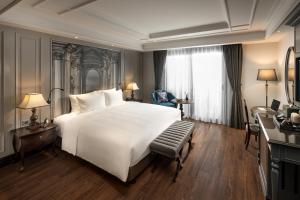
[(297, 40), (290, 75), (297, 62)]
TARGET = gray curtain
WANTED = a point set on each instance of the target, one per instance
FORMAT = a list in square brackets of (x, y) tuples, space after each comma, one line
[(159, 58), (233, 57)]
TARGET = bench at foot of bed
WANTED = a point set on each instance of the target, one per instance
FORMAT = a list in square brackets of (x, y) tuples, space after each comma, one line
[(170, 143)]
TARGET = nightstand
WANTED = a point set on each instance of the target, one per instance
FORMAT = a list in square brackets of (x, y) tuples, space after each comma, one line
[(137, 100), (26, 140)]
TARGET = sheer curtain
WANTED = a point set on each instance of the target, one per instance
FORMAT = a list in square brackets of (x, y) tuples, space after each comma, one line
[(200, 73)]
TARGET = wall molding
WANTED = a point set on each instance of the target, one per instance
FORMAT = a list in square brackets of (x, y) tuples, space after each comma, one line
[(279, 14), (231, 38)]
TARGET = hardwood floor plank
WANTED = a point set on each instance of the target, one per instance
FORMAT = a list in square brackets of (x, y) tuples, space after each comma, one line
[(218, 167)]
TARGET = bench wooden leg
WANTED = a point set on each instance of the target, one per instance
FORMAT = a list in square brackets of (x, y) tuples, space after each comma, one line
[(178, 168), (190, 145), (154, 163)]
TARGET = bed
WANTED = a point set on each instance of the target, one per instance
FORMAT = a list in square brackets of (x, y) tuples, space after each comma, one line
[(116, 138)]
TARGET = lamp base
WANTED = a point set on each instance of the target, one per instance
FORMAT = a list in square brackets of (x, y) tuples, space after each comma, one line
[(33, 125), (132, 94)]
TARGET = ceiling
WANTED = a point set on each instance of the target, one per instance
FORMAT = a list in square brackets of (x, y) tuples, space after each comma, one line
[(150, 24)]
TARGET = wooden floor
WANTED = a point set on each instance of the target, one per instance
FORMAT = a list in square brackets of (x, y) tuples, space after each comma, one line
[(218, 167)]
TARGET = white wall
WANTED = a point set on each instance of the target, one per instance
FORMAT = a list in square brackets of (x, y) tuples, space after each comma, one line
[(256, 56), (265, 55), (284, 44)]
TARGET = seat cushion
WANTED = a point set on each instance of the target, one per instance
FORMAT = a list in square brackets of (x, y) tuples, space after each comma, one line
[(254, 128), (171, 141), (162, 96)]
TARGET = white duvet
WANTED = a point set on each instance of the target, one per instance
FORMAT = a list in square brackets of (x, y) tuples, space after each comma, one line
[(115, 138)]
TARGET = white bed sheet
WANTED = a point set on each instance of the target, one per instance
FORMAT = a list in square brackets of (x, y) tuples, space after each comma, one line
[(115, 138)]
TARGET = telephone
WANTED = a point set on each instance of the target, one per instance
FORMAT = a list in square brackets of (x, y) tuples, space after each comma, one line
[(286, 124), (45, 123)]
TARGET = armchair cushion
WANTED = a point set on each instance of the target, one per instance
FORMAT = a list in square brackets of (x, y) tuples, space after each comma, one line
[(171, 100), (162, 96)]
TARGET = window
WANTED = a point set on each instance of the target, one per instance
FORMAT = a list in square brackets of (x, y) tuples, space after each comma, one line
[(200, 73)]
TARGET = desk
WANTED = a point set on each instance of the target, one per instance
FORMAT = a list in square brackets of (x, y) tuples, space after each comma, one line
[(262, 110), (279, 161)]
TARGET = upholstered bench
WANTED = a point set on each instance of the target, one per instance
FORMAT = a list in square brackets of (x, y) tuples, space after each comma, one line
[(170, 143)]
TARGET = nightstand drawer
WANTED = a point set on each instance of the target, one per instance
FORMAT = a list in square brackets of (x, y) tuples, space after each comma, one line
[(47, 137), (38, 141)]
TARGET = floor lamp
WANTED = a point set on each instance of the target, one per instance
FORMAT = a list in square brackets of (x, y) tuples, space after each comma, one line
[(291, 77), (267, 75)]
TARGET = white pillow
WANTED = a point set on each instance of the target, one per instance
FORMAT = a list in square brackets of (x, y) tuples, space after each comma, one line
[(94, 101), (75, 108), (74, 104), (113, 98), (109, 90)]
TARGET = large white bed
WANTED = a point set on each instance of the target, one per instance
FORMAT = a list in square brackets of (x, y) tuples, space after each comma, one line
[(117, 137)]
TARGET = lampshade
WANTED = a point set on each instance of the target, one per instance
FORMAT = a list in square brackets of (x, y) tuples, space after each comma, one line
[(132, 86), (267, 75), (291, 74), (33, 100)]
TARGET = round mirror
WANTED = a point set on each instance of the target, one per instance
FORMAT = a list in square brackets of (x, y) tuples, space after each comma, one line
[(290, 75)]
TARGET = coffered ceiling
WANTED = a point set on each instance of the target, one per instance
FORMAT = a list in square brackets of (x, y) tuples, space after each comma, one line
[(150, 24)]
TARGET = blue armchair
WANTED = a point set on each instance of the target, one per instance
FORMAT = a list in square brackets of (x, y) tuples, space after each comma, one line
[(171, 99)]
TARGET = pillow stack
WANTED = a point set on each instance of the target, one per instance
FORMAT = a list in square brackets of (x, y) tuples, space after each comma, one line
[(97, 100)]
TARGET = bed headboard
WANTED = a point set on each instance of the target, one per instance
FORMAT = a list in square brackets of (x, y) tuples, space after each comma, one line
[(80, 69)]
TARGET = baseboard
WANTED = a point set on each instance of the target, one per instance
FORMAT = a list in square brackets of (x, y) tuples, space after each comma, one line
[(7, 160)]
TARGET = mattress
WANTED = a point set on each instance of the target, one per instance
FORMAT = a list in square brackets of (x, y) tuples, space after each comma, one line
[(117, 137)]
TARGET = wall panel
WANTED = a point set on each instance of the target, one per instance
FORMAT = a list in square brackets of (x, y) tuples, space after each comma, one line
[(9, 86), (27, 71)]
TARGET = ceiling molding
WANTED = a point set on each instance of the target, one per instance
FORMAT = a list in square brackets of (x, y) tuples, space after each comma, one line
[(293, 18), (253, 11), (38, 3), (119, 26), (9, 6), (226, 9), (279, 14), (76, 7), (190, 30), (56, 33), (232, 38)]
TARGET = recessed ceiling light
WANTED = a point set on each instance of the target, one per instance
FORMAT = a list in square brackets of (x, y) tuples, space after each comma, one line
[(76, 37)]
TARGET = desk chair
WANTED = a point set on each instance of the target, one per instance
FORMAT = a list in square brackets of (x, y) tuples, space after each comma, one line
[(251, 129)]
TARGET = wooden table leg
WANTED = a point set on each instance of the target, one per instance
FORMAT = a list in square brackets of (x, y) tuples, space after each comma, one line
[(54, 149), (21, 169), (181, 109)]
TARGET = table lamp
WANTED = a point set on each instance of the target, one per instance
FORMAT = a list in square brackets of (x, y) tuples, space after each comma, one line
[(267, 75), (132, 86), (33, 101)]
